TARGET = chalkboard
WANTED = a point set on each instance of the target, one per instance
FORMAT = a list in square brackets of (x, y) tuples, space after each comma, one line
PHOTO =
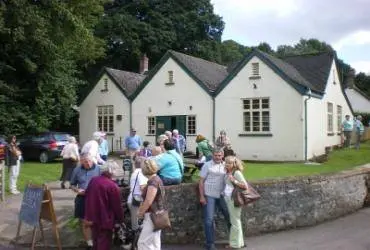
[(31, 205)]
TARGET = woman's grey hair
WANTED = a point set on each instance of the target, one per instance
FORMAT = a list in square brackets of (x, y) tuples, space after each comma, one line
[(161, 138), (108, 167), (72, 139), (175, 131)]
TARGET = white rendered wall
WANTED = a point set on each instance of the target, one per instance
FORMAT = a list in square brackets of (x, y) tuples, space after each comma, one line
[(153, 101), (318, 135), (286, 116), (88, 113)]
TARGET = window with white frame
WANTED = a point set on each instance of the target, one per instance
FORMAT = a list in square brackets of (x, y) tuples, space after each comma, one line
[(339, 118), (255, 69), (330, 117), (106, 118), (170, 76), (191, 125), (151, 125), (256, 115)]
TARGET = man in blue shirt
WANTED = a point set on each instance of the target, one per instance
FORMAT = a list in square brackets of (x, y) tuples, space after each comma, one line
[(347, 127), (80, 179), (132, 142), (171, 165)]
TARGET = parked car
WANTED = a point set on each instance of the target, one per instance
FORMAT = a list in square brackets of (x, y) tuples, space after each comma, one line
[(44, 147)]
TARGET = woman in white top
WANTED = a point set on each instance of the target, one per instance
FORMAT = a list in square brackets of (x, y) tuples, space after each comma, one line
[(234, 178), (137, 183), (70, 159)]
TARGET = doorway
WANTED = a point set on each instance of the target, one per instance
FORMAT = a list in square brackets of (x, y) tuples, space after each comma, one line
[(164, 123)]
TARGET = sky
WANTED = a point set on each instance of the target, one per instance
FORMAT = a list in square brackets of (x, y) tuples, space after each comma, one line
[(344, 24)]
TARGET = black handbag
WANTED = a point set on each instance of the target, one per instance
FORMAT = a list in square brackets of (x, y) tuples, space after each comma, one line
[(136, 199)]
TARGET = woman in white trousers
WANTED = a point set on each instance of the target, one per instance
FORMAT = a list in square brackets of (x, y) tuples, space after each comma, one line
[(13, 161)]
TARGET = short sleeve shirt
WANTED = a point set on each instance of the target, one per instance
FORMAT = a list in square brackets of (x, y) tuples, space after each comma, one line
[(214, 178), (158, 202), (81, 176)]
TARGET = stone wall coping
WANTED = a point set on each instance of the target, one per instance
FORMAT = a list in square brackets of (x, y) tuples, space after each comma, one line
[(359, 170)]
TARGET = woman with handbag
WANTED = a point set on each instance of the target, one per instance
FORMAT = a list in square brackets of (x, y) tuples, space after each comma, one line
[(153, 194), (13, 159), (234, 179), (137, 184), (71, 157)]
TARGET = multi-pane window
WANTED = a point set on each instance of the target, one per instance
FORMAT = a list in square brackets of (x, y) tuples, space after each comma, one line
[(255, 69), (191, 125), (330, 117), (256, 115), (151, 125), (170, 76), (339, 118), (105, 118)]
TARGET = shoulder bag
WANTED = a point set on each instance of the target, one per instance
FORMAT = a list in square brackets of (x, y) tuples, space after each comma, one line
[(161, 218), (243, 197), (136, 199)]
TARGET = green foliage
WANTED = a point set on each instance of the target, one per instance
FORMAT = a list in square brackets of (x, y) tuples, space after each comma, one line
[(363, 83), (132, 28), (45, 44)]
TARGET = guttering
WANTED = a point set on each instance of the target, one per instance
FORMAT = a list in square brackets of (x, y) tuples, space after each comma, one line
[(309, 93), (214, 119), (130, 112)]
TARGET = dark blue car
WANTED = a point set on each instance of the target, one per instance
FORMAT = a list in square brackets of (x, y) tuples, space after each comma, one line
[(44, 147)]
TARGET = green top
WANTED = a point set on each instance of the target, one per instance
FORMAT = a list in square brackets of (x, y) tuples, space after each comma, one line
[(204, 148), (238, 175)]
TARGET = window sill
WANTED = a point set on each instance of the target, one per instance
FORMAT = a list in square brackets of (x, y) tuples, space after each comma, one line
[(191, 135), (169, 83), (331, 133), (256, 135), (109, 133), (104, 90), (339, 133), (149, 135), (254, 77)]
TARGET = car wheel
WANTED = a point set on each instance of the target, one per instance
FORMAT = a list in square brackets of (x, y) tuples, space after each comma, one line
[(44, 158)]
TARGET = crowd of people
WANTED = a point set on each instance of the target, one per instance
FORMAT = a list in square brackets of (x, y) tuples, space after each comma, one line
[(98, 203), (348, 126)]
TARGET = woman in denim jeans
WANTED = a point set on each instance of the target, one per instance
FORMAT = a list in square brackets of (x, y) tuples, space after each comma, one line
[(211, 185)]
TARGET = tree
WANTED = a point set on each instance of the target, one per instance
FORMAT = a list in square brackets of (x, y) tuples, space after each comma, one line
[(133, 27), (44, 46)]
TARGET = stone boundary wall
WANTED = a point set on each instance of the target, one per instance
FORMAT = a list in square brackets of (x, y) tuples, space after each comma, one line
[(286, 203)]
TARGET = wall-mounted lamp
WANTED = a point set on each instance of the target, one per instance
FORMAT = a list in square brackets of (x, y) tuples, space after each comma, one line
[(150, 109), (170, 103), (191, 107), (254, 86)]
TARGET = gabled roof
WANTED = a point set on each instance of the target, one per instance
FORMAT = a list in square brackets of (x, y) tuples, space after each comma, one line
[(315, 68), (301, 72), (208, 75), (127, 81), (357, 106)]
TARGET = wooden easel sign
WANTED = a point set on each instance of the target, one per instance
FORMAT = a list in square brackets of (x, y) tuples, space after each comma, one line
[(37, 204)]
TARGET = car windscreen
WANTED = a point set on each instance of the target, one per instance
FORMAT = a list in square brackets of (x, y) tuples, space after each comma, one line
[(61, 137)]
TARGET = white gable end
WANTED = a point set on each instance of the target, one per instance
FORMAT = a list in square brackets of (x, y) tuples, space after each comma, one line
[(284, 139), (183, 97), (104, 94)]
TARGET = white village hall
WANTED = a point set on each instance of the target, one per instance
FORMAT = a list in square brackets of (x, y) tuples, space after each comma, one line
[(273, 109)]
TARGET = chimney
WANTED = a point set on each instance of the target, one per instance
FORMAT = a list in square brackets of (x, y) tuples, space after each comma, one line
[(144, 64), (350, 79)]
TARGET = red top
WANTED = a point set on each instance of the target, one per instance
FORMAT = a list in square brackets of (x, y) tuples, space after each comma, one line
[(103, 203)]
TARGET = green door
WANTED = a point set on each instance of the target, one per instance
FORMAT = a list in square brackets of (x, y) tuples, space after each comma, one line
[(170, 123)]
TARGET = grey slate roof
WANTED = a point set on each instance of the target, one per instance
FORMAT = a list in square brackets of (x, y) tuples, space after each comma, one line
[(315, 68), (311, 70), (127, 81), (209, 73)]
